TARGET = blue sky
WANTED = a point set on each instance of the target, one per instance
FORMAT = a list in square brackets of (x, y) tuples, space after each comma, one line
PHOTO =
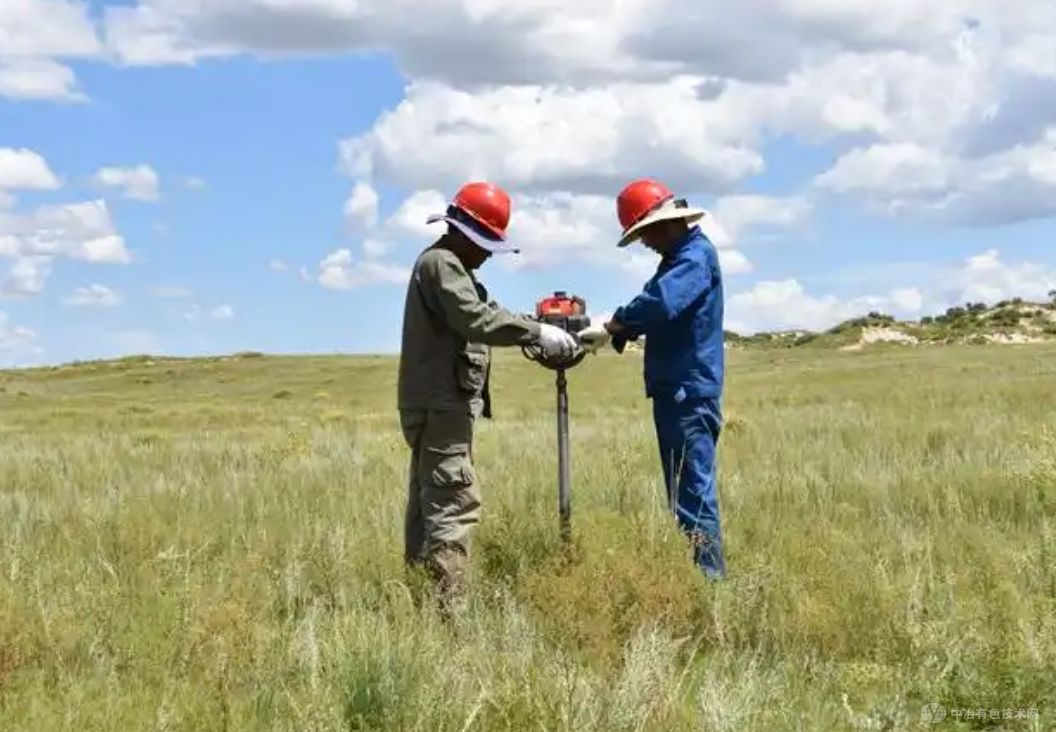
[(265, 167)]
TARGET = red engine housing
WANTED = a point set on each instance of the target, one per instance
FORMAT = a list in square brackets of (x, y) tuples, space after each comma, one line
[(565, 311)]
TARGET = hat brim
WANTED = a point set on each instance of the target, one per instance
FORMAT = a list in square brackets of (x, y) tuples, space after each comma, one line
[(691, 216), (495, 246)]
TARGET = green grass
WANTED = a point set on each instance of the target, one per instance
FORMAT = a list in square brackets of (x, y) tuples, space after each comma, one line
[(216, 545)]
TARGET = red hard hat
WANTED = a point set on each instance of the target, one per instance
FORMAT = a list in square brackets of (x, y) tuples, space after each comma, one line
[(488, 204), (638, 199)]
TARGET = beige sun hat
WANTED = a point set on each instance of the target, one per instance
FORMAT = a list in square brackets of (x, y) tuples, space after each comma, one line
[(647, 201)]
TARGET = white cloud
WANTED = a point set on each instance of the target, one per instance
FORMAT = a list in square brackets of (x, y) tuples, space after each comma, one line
[(26, 277), (907, 300), (475, 42), (744, 216), (94, 296), (786, 305), (409, 218), (110, 248), (986, 278), (540, 139), (339, 271), (22, 169), (17, 343), (39, 80), (194, 183), (515, 92), (563, 228), (361, 208), (81, 231), (1013, 185), (7, 200), (734, 262), (34, 240), (470, 40), (32, 34), (277, 265), (549, 229), (139, 183), (42, 28), (894, 169), (222, 312)]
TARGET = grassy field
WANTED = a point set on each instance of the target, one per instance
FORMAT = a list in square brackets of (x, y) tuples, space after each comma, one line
[(216, 545)]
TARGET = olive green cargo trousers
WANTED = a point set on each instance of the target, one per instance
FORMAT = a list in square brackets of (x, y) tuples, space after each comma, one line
[(443, 498)]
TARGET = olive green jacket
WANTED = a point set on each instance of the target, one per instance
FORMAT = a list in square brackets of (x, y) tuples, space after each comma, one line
[(449, 325)]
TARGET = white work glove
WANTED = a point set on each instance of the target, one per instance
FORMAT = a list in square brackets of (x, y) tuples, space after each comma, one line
[(555, 341), (594, 338)]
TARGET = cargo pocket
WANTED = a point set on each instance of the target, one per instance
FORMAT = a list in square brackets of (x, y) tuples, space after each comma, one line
[(451, 468), (472, 369)]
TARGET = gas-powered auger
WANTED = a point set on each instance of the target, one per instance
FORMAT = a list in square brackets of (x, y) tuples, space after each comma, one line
[(570, 314)]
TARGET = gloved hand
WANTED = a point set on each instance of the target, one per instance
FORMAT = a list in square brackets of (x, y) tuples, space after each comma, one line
[(555, 341), (595, 337)]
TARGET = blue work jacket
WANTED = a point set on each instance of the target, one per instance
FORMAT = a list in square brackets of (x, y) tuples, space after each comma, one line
[(680, 313)]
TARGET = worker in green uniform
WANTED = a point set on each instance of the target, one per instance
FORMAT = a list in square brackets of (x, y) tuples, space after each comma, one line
[(449, 326)]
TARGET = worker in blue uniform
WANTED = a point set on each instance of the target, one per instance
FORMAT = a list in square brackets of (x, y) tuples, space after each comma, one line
[(680, 314)]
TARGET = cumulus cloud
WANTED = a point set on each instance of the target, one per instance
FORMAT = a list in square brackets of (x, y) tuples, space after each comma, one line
[(516, 93), (361, 208), (734, 262), (26, 277), (340, 271), (467, 40), (549, 229), (39, 80), (33, 240), (1014, 185), (786, 305), (560, 228), (22, 169), (987, 278), (139, 183), (473, 42), (221, 312), (32, 34), (939, 111), (81, 231), (94, 296), (44, 28), (409, 219), (748, 216), (541, 139)]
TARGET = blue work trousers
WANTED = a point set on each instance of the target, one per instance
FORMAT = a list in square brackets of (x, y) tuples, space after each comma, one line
[(687, 429)]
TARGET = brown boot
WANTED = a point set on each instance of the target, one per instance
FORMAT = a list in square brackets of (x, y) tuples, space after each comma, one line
[(447, 568)]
